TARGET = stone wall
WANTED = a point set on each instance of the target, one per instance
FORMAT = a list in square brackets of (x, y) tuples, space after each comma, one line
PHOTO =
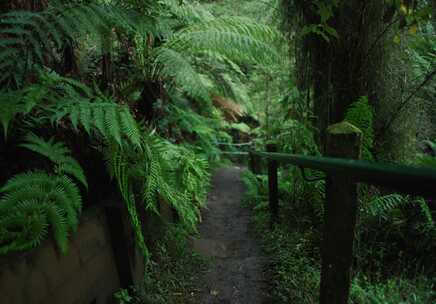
[(87, 274)]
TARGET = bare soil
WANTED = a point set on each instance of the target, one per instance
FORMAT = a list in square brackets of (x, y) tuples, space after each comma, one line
[(236, 275)]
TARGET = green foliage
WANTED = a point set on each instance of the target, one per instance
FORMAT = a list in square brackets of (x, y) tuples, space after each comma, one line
[(123, 296), (57, 153), (181, 47), (395, 290), (12, 104), (112, 121), (294, 137), (360, 114), (58, 99), (204, 131), (293, 247), (172, 277), (34, 201), (162, 173), (34, 37), (381, 206), (187, 59)]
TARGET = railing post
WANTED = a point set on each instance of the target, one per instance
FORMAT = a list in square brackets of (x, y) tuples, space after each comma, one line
[(273, 185), (343, 140)]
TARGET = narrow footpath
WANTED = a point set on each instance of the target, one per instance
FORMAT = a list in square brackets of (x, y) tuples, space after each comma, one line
[(236, 275)]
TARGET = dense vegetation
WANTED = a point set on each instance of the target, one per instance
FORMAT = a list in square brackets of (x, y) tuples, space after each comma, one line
[(137, 94), (392, 102), (126, 97)]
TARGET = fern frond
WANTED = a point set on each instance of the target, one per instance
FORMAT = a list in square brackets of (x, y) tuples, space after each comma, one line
[(187, 13), (117, 165), (37, 35), (175, 66), (236, 38), (13, 104), (381, 205), (9, 110), (54, 199), (360, 114), (114, 122), (56, 216), (58, 153), (24, 229)]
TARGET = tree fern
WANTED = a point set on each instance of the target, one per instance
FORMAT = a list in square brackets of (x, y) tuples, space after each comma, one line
[(181, 58), (178, 68), (35, 36), (236, 38), (187, 13)]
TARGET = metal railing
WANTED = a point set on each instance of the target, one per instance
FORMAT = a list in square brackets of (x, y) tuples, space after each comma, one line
[(342, 175)]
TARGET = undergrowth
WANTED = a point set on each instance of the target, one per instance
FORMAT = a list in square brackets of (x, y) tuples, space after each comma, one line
[(170, 278), (293, 249)]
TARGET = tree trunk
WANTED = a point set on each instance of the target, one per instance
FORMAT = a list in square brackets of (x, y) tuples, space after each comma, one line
[(347, 67)]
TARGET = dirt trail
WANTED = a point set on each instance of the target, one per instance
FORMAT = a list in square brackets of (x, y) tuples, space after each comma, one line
[(236, 275)]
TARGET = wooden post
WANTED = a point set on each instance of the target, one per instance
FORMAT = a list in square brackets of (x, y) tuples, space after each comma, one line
[(119, 245), (344, 141), (273, 185)]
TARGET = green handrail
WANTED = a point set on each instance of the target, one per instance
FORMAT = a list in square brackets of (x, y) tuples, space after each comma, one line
[(407, 179)]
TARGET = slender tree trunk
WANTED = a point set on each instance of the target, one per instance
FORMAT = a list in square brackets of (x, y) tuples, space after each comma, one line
[(433, 4), (347, 67)]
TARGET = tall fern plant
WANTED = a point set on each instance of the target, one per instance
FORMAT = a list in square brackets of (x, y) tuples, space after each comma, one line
[(186, 57), (160, 172)]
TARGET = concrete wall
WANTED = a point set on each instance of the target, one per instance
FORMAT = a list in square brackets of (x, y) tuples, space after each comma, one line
[(86, 274)]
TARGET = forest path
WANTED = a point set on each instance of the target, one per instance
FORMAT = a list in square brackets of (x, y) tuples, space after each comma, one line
[(236, 274)]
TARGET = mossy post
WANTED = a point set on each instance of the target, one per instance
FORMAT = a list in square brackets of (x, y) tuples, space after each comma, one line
[(343, 141), (273, 185)]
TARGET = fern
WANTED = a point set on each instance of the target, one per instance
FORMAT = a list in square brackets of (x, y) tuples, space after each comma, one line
[(13, 104), (110, 120), (187, 13), (58, 99), (40, 200), (33, 201), (117, 164), (57, 153), (177, 67), (193, 175), (35, 36), (360, 114), (236, 38), (24, 229), (187, 58), (382, 206), (160, 171)]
